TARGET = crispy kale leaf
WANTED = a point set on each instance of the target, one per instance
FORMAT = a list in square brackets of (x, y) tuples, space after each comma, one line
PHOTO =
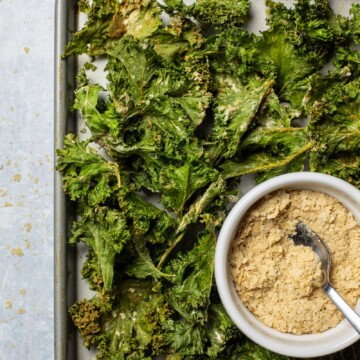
[(178, 184), (268, 150), (105, 231), (205, 328), (110, 20), (209, 337), (154, 108), (146, 219), (152, 229), (86, 174), (335, 126), (300, 41), (250, 351), (354, 30), (234, 109), (100, 116), (86, 315), (133, 329), (193, 273), (311, 28), (292, 70), (220, 14)]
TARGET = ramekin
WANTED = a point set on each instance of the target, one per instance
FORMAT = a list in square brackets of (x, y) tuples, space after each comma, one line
[(303, 346)]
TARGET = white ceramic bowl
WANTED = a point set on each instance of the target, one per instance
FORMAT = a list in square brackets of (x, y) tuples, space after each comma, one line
[(309, 345)]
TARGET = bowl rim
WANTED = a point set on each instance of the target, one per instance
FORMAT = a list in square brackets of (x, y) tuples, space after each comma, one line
[(309, 345)]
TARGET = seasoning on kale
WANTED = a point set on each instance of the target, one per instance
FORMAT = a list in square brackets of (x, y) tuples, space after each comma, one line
[(219, 13)]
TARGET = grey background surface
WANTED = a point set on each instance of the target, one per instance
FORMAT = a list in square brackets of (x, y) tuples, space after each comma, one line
[(26, 179)]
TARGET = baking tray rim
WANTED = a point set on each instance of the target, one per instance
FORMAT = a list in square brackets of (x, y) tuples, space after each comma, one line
[(65, 22)]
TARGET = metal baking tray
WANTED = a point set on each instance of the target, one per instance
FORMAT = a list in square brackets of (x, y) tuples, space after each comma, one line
[(68, 285), (64, 286)]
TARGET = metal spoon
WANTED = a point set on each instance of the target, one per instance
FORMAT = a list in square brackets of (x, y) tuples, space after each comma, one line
[(305, 236)]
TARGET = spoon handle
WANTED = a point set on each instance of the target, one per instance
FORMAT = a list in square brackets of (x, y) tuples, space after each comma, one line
[(343, 306)]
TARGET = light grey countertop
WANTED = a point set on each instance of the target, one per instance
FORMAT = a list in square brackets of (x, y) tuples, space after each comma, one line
[(26, 179)]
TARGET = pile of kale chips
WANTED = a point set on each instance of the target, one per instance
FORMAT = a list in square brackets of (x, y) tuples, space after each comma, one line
[(188, 109)]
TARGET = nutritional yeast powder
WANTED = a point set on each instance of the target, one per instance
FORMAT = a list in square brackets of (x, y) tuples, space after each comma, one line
[(278, 281)]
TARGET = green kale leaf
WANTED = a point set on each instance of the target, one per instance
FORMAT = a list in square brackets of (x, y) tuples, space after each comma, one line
[(146, 219), (105, 231), (220, 14), (160, 106), (178, 184), (266, 150), (193, 275), (86, 174), (235, 108), (110, 20), (99, 116), (252, 351), (86, 315), (134, 326), (335, 126)]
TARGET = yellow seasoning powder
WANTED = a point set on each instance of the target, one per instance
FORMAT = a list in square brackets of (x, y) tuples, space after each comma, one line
[(278, 281)]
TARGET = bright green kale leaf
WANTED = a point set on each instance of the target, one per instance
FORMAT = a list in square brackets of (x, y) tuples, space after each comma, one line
[(86, 174), (347, 62), (311, 27), (265, 150), (220, 14), (105, 231), (335, 128), (234, 110), (271, 115), (251, 351), (193, 272), (148, 82), (185, 337), (207, 335), (110, 20), (149, 226), (161, 105), (223, 13), (355, 22), (220, 330), (176, 40), (294, 165), (146, 219), (100, 116), (197, 211), (299, 42), (133, 330), (202, 203), (236, 53), (143, 265), (292, 70), (178, 184)]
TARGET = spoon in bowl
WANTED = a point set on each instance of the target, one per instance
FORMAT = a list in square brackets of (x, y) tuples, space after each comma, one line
[(306, 237)]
